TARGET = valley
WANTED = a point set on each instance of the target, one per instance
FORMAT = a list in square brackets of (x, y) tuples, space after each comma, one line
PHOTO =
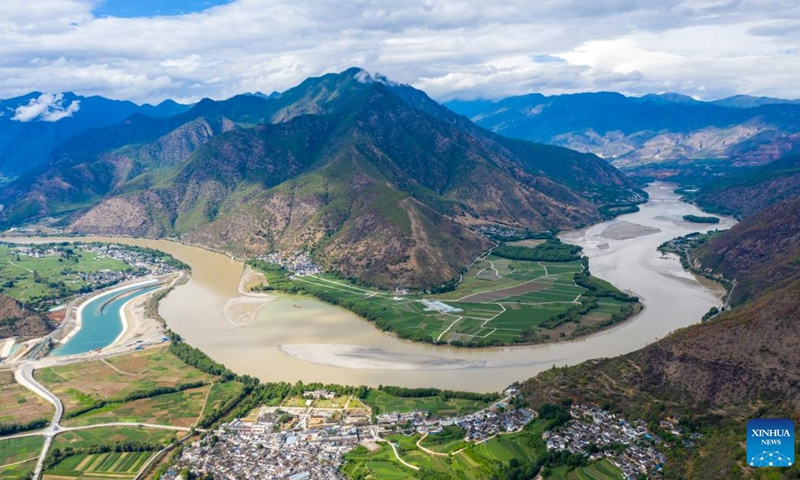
[(312, 340), (381, 240)]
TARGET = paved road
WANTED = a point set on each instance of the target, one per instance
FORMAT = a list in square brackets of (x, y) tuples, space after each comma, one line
[(24, 376)]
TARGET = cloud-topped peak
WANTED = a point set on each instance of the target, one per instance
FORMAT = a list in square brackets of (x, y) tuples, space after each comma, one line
[(363, 76), (47, 107)]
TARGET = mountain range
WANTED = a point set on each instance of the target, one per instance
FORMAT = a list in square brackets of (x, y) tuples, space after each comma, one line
[(377, 180), (652, 130), (31, 126)]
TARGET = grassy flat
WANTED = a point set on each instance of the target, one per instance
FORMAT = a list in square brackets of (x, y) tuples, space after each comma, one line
[(81, 384), (382, 402)]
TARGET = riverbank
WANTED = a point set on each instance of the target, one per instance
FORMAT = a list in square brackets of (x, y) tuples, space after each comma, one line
[(242, 310), (78, 319), (195, 312)]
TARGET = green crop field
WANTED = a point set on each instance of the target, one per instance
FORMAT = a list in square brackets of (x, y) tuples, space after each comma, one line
[(17, 450), (53, 275), (122, 465), (499, 301), (180, 409), (475, 462), (602, 470), (109, 435), (382, 402)]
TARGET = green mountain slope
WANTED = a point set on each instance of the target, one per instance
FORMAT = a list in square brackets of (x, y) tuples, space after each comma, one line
[(377, 180), (748, 192)]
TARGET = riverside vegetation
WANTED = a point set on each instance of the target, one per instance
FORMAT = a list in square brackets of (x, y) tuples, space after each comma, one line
[(510, 295), (152, 390)]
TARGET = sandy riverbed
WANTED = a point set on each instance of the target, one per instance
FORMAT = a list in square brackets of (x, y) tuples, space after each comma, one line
[(625, 230), (242, 310), (370, 358)]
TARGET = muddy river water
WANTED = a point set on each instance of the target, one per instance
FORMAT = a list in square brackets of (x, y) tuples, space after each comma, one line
[(298, 338)]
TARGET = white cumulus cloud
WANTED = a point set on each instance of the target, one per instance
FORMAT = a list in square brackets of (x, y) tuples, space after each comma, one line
[(47, 107), (458, 48)]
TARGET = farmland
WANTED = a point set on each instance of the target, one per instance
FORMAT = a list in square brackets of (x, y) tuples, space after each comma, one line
[(121, 465), (81, 439), (499, 301), (490, 459), (17, 450), (180, 409), (18, 404), (112, 452), (476, 461), (82, 384)]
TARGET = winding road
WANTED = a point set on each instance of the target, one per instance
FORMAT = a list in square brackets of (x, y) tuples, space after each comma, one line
[(24, 376)]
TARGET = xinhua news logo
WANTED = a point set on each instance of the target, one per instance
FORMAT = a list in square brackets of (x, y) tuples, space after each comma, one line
[(770, 442)]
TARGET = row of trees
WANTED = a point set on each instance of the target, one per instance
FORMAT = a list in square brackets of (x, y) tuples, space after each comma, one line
[(552, 250), (599, 288), (197, 359), (12, 428), (404, 392)]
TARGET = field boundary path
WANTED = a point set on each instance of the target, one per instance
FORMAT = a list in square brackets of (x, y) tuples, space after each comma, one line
[(24, 376)]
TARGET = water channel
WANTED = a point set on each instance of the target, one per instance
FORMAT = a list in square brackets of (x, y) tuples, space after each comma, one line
[(101, 322), (297, 338)]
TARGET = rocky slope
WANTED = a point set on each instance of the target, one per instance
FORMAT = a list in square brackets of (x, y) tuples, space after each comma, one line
[(16, 320), (762, 253), (377, 180)]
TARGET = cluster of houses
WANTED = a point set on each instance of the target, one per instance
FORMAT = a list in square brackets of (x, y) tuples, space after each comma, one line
[(597, 433), (297, 262), (234, 454), (286, 442)]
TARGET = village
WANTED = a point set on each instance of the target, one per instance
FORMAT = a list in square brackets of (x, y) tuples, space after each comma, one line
[(597, 433), (300, 442), (297, 262)]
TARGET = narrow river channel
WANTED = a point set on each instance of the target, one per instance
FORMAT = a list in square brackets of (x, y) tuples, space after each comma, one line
[(297, 338)]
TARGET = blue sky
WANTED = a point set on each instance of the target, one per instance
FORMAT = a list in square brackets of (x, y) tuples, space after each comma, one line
[(152, 8), (149, 50)]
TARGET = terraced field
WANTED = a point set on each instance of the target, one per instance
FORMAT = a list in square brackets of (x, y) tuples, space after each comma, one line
[(474, 462)]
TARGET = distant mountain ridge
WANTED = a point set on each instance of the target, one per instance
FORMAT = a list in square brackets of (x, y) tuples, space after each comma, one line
[(376, 179), (33, 125), (650, 130)]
